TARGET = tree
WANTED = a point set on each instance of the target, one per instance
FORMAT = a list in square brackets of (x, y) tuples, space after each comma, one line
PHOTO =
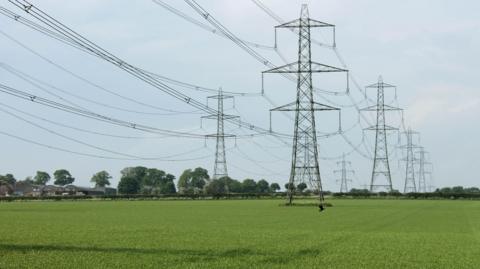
[(234, 186), (302, 186), (135, 172), (63, 177), (263, 186), (193, 181), (359, 191), (158, 182), (153, 178), (8, 179), (446, 190), (28, 180), (290, 187), (249, 186), (128, 185), (169, 188), (216, 187), (149, 180), (41, 178), (274, 187), (458, 189), (472, 190), (101, 179)]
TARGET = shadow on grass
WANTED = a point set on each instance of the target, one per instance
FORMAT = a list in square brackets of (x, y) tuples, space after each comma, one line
[(181, 254), (305, 204)]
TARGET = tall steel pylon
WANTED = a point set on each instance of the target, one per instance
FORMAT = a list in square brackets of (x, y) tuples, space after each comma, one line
[(220, 167), (381, 165), (344, 174), (305, 167), (410, 184), (422, 172)]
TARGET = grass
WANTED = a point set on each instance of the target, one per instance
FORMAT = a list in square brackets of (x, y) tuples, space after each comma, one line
[(240, 234)]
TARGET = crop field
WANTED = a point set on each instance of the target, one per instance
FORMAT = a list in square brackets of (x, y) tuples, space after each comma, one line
[(240, 234)]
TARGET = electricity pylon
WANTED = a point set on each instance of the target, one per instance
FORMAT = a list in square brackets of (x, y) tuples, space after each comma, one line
[(344, 174), (422, 172), (220, 167), (410, 184), (305, 167), (381, 165)]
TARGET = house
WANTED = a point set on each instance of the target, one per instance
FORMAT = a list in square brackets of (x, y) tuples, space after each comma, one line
[(30, 190), (96, 191), (24, 188), (5, 190), (51, 190)]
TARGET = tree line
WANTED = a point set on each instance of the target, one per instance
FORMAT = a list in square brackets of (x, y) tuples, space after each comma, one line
[(153, 181), (142, 180), (61, 177), (444, 193)]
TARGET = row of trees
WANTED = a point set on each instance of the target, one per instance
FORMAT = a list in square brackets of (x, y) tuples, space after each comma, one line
[(61, 177), (458, 190), (142, 180), (229, 185), (447, 192), (152, 181), (194, 181)]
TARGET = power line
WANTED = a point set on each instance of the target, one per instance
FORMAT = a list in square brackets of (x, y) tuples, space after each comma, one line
[(66, 41), (83, 79), (204, 26), (134, 71), (219, 26), (128, 156), (88, 131), (337, 53), (88, 114), (38, 84), (84, 154)]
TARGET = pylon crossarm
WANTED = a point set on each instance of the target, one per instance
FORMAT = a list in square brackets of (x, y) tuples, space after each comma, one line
[(381, 85), (391, 108), (217, 136), (225, 117), (221, 97), (385, 108), (409, 146), (386, 128), (306, 107), (300, 22), (313, 68)]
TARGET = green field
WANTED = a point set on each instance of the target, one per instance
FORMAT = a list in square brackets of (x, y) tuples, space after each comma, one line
[(240, 234)]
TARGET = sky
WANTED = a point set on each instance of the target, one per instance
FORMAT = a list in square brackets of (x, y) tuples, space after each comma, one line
[(428, 49)]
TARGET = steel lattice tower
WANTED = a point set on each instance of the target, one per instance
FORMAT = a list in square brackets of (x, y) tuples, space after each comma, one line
[(381, 165), (305, 167), (422, 172), (220, 167), (344, 174), (410, 184)]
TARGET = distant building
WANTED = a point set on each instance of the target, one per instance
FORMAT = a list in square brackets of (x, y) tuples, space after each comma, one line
[(96, 191), (31, 190), (5, 190), (23, 188)]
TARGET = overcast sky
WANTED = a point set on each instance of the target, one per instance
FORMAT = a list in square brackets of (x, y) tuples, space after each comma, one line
[(428, 49)]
